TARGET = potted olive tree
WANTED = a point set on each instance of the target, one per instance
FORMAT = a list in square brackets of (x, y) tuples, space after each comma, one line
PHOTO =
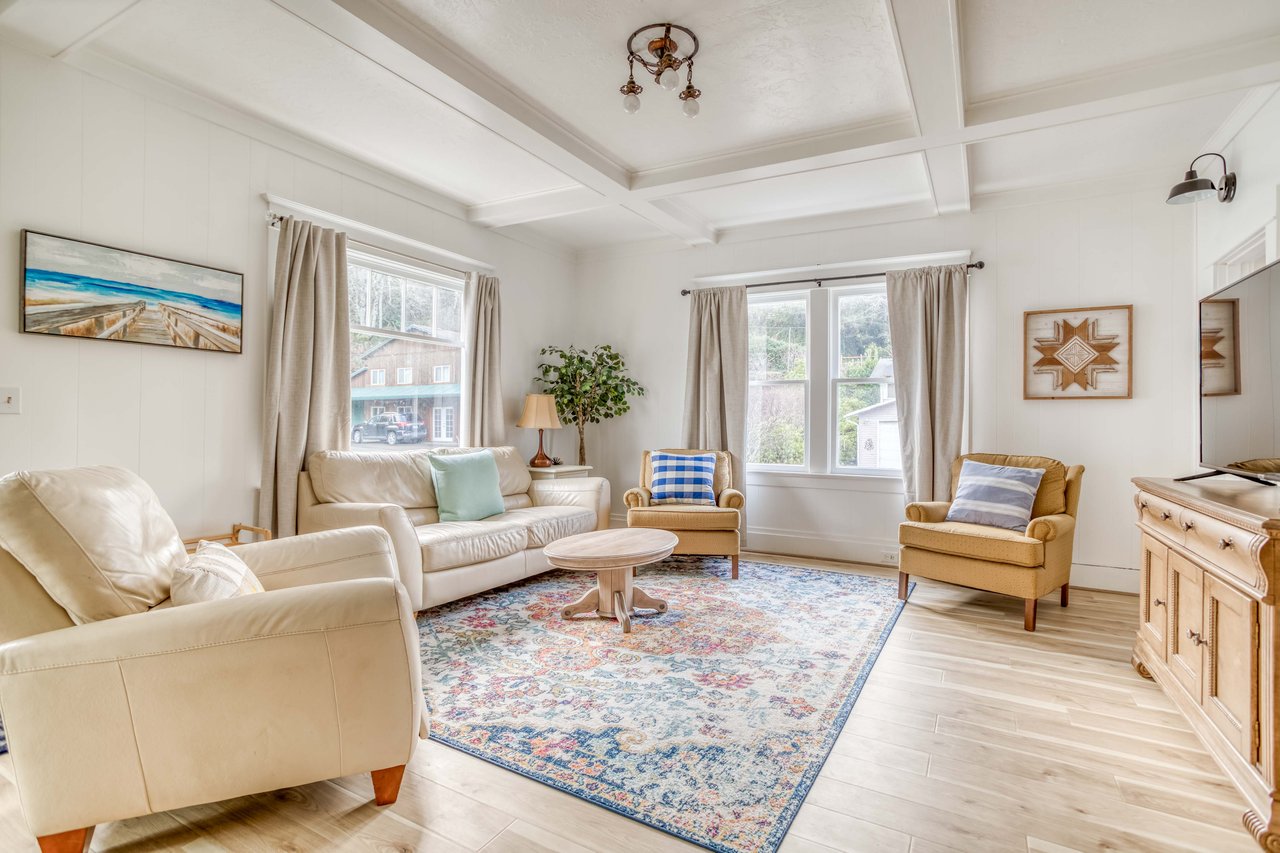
[(589, 386)]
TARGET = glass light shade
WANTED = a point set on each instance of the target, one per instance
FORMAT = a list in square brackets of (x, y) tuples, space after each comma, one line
[(691, 108), (1192, 189), (669, 79), (630, 103), (539, 412)]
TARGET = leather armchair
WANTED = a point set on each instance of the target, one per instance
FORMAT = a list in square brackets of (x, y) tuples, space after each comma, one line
[(316, 678), (700, 529), (1028, 565)]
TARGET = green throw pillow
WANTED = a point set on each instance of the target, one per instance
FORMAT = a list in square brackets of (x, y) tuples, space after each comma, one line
[(466, 485)]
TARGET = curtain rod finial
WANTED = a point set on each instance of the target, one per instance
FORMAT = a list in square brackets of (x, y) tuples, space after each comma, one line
[(685, 292), (979, 265)]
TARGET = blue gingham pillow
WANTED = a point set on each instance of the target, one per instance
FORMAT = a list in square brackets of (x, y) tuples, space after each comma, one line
[(676, 478), (998, 495)]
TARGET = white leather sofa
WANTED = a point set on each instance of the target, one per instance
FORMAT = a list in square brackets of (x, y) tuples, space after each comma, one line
[(444, 561), (116, 704)]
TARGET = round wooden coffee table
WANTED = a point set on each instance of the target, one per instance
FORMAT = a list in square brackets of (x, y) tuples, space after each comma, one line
[(612, 554)]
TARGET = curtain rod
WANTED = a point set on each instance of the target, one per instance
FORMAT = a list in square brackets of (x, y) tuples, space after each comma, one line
[(976, 265), (273, 221)]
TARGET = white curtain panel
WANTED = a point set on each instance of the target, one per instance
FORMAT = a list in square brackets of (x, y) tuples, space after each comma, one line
[(928, 313), (308, 392), (715, 402), (486, 423)]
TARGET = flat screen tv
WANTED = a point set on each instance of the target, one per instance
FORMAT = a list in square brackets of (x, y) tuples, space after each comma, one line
[(1240, 378)]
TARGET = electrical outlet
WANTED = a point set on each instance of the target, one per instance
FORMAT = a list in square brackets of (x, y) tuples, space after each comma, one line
[(10, 401), (889, 557)]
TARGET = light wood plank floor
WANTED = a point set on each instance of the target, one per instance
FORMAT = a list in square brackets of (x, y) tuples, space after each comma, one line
[(970, 735)]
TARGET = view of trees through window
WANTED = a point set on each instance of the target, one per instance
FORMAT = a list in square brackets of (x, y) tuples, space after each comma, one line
[(864, 414), (423, 312)]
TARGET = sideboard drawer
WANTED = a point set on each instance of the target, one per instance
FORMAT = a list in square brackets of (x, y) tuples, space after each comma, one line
[(1160, 515), (1223, 545)]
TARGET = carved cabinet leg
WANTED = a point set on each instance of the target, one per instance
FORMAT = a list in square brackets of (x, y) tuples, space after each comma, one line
[(386, 784), (1140, 667), (1267, 835), (72, 841)]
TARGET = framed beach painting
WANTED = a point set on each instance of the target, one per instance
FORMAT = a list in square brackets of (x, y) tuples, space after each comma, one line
[(86, 290), (1078, 353)]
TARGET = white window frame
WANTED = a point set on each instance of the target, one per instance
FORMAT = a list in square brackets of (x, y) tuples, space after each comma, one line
[(822, 433), (791, 296), (377, 376), (438, 419), (442, 373), (833, 294), (404, 375)]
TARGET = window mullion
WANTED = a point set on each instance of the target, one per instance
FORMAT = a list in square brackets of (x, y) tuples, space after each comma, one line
[(818, 403)]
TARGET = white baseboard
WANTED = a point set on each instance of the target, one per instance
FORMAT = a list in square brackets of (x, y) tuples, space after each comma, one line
[(852, 549)]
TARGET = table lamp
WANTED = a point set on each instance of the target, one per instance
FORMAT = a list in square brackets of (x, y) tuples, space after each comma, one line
[(539, 413)]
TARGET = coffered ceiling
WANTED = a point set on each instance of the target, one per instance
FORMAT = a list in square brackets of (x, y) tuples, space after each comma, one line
[(510, 111)]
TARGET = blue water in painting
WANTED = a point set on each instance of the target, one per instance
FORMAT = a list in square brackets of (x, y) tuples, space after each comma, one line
[(96, 289)]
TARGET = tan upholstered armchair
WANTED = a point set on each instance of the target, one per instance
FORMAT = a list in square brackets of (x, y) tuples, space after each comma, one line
[(701, 529), (116, 704), (1027, 564)]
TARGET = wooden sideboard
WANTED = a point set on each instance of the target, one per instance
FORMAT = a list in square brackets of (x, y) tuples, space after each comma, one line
[(1207, 629)]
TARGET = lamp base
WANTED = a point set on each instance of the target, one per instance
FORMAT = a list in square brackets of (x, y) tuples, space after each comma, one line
[(540, 459)]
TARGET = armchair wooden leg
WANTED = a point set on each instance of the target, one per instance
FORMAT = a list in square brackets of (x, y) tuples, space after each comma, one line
[(386, 784), (1029, 614), (72, 841), (1062, 600), (904, 583), (735, 566)]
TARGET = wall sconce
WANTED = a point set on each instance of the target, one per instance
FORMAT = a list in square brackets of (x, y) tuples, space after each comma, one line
[(1193, 188)]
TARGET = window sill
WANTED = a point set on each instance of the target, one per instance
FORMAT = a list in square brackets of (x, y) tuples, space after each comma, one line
[(886, 483)]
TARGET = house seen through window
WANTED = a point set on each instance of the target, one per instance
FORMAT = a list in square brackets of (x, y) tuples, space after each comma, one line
[(406, 323)]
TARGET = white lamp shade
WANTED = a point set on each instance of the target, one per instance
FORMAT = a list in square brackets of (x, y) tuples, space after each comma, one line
[(539, 412)]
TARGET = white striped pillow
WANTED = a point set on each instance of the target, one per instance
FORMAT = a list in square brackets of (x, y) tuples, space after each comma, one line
[(997, 495), (212, 573)]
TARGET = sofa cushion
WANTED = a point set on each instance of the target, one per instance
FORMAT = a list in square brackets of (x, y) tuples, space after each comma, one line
[(546, 524), (973, 540), (466, 485), (450, 544), (212, 573), (343, 476), (683, 517), (513, 471), (96, 539), (682, 478), (1051, 497), (998, 495), (722, 480)]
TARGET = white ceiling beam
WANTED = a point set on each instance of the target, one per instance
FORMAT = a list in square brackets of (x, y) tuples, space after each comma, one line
[(403, 48), (928, 39), (531, 208), (98, 31), (1238, 118)]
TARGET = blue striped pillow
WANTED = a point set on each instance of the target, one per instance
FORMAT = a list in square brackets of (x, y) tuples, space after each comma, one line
[(998, 495), (677, 478)]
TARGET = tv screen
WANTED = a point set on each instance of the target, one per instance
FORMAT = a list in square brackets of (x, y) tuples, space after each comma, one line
[(1240, 375)]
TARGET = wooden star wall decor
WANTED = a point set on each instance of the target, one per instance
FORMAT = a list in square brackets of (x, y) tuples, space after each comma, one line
[(1078, 353)]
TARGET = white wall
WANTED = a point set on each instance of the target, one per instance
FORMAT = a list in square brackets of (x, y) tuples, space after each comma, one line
[(1115, 249), (86, 158)]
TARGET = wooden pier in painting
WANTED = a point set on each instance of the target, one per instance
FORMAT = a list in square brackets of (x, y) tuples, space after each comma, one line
[(136, 321)]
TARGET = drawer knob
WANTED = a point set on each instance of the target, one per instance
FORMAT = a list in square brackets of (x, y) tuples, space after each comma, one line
[(1142, 505), (1187, 525), (1225, 544), (1165, 516), (1158, 602), (1195, 637)]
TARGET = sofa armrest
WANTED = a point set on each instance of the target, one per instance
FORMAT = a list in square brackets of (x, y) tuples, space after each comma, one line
[(1047, 528), (324, 557), (192, 704), (391, 518), (732, 499), (930, 512), (637, 497), (591, 493)]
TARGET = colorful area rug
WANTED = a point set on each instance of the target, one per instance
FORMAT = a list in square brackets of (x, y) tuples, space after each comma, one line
[(710, 721)]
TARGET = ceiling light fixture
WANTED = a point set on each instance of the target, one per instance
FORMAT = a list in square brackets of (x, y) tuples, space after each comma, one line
[(1193, 188), (664, 66)]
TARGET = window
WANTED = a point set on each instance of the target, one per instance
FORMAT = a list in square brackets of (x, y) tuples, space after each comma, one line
[(442, 424), (406, 320), (821, 395)]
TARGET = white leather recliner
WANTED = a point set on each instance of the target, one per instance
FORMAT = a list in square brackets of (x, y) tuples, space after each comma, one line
[(163, 707)]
